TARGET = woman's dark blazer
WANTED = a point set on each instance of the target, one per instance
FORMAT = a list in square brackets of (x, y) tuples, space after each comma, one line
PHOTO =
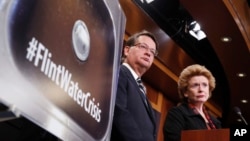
[(132, 120), (183, 118)]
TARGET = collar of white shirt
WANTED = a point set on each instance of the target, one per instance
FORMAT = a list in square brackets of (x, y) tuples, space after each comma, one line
[(131, 70)]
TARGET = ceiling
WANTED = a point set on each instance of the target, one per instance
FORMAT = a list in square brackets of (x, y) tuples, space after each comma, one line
[(178, 49)]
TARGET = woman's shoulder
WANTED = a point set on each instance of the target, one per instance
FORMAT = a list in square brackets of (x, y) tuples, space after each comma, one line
[(181, 108)]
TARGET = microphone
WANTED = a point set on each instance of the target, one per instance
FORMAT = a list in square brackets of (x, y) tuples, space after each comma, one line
[(238, 112)]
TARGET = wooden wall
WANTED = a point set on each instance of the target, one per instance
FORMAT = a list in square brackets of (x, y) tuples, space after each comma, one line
[(161, 105)]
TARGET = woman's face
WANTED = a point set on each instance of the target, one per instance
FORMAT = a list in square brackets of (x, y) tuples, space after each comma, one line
[(197, 90)]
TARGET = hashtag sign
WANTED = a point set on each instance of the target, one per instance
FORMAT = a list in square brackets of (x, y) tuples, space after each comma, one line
[(31, 50)]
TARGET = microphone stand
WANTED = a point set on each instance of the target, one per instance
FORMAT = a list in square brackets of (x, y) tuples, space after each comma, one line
[(243, 119)]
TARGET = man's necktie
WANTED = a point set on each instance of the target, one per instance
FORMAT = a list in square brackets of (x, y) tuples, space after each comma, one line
[(143, 89)]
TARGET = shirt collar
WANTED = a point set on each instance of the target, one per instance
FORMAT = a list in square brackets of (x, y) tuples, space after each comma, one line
[(131, 70)]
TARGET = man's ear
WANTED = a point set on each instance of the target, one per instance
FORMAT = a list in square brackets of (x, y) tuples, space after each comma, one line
[(126, 50)]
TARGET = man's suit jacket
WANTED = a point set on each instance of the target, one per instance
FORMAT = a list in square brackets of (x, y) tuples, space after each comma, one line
[(133, 120)]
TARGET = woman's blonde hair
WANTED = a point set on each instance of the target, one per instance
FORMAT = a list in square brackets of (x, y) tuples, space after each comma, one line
[(194, 70)]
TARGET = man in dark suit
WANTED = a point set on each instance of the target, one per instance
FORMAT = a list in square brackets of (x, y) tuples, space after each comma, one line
[(134, 118)]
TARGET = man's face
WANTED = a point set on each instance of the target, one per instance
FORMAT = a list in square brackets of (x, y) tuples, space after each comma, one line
[(142, 53)]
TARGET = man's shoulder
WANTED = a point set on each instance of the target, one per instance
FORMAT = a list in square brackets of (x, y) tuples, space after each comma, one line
[(124, 73), (124, 70)]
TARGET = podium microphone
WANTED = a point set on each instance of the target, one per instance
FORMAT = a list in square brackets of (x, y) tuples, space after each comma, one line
[(238, 112)]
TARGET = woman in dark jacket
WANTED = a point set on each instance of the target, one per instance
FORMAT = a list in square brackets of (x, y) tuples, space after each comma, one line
[(195, 87)]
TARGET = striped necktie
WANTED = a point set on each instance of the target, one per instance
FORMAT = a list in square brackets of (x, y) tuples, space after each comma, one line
[(143, 89)]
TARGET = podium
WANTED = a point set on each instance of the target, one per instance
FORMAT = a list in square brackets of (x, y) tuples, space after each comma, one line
[(206, 135)]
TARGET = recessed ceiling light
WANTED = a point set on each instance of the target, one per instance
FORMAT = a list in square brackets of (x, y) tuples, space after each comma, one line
[(241, 75), (226, 39), (244, 101), (239, 120)]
